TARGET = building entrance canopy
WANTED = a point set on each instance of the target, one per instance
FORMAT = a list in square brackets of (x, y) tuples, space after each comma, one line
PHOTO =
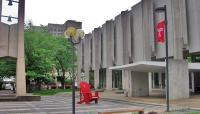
[(151, 66)]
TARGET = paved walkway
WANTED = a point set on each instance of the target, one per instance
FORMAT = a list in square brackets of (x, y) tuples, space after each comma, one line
[(157, 104), (63, 105), (7, 93), (192, 102)]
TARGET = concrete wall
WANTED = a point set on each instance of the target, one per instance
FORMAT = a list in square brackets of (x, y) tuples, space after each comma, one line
[(127, 83), (9, 40), (86, 56), (96, 48), (148, 29), (177, 27), (13, 41), (4, 40), (160, 47), (140, 84), (96, 35), (126, 31), (193, 21), (178, 79), (119, 40), (138, 47), (79, 62)]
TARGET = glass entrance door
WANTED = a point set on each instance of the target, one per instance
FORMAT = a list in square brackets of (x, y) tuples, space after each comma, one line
[(116, 79), (91, 78), (102, 78)]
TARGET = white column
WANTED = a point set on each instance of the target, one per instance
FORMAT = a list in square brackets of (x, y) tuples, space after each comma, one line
[(20, 72), (150, 82), (127, 83), (108, 79), (123, 79)]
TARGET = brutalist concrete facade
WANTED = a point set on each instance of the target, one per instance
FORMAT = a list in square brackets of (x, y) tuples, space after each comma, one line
[(130, 38)]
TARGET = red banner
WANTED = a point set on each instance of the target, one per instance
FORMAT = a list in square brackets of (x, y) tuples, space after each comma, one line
[(160, 32)]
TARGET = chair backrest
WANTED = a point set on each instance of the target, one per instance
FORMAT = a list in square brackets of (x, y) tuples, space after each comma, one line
[(84, 87)]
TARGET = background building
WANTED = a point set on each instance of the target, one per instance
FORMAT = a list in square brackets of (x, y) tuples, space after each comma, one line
[(59, 29)]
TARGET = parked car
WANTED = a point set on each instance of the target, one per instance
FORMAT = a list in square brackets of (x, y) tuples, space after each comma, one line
[(8, 87)]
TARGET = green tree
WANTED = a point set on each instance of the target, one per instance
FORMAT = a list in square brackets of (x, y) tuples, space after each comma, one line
[(44, 52), (7, 69)]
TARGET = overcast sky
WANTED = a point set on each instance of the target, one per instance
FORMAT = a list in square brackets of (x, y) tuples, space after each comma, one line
[(92, 13)]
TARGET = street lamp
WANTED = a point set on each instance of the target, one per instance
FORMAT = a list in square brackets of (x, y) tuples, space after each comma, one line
[(161, 10), (74, 35), (9, 18), (10, 2)]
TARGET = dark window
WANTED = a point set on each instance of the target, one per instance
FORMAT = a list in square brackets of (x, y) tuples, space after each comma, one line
[(132, 32), (156, 80), (163, 80), (102, 78), (101, 47), (115, 43), (117, 79)]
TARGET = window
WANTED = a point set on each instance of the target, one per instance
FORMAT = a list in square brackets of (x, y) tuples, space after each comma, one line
[(115, 43), (156, 80), (132, 34), (101, 47)]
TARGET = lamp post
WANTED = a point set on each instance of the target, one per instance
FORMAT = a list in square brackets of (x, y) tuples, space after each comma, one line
[(10, 3), (74, 36), (161, 10)]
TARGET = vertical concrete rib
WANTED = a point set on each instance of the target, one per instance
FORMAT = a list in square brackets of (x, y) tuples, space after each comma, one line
[(20, 73)]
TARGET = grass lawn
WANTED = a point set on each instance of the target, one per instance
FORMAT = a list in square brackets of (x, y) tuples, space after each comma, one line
[(50, 92)]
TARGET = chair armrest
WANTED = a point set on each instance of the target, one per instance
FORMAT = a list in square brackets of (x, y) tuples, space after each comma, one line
[(96, 94)]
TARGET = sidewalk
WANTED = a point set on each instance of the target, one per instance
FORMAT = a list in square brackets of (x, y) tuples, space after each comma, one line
[(192, 102), (7, 93)]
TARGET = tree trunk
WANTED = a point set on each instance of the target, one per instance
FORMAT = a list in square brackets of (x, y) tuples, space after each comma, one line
[(63, 79)]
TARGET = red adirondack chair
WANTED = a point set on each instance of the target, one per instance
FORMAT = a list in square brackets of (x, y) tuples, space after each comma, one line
[(86, 94)]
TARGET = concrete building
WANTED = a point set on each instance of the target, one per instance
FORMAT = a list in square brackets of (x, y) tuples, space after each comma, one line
[(123, 52), (59, 29)]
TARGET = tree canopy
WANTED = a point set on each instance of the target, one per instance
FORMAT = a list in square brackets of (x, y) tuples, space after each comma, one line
[(45, 52), (7, 68)]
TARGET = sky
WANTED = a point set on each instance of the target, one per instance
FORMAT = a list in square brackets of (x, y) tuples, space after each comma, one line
[(92, 13)]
